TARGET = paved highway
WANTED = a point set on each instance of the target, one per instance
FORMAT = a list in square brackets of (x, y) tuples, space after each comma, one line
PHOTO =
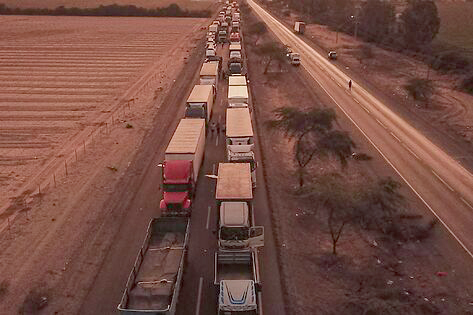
[(198, 295), (442, 184)]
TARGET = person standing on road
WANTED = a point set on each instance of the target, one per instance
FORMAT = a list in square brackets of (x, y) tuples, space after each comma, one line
[(212, 129), (349, 85)]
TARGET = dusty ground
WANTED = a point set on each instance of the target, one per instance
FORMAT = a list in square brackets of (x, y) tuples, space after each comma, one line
[(46, 234), (364, 274), (184, 4), (61, 79)]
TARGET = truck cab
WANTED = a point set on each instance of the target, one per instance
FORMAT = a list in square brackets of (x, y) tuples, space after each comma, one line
[(237, 282), (295, 59), (235, 227), (222, 36), (178, 188)]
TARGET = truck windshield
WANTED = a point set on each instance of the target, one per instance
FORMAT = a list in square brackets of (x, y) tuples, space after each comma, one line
[(234, 233), (175, 187), (235, 68), (195, 112)]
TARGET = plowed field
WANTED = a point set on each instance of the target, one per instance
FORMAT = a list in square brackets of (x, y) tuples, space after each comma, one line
[(60, 75)]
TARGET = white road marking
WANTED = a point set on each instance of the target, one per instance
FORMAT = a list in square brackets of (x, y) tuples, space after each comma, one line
[(216, 141), (382, 125), (209, 209), (213, 169), (392, 134), (466, 202), (409, 149), (356, 100), (366, 109), (440, 179), (199, 296)]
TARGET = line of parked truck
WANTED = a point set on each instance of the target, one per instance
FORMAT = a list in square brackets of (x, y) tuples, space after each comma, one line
[(154, 283)]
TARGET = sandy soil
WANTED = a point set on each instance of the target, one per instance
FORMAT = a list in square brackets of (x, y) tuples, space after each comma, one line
[(62, 77), (364, 274), (74, 104), (185, 4)]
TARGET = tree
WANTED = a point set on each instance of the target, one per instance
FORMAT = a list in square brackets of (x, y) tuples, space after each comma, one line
[(306, 128), (339, 200), (257, 29), (421, 22), (375, 20), (272, 51), (336, 143)]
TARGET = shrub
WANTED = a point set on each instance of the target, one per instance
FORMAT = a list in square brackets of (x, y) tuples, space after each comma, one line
[(451, 62), (467, 84), (420, 89)]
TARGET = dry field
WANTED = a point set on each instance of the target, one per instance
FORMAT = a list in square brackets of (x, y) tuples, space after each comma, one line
[(185, 4), (60, 75)]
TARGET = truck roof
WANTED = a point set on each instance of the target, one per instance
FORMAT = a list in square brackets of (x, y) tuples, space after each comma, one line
[(186, 137), (237, 294), (234, 214), (237, 80), (238, 123), (238, 91), (209, 68), (235, 47), (200, 94), (234, 182)]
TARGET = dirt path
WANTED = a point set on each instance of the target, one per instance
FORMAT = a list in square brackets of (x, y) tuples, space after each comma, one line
[(59, 238)]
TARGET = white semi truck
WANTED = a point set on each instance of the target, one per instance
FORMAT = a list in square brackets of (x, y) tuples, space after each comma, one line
[(234, 197), (237, 282), (155, 280), (239, 138), (237, 96), (209, 74), (200, 102)]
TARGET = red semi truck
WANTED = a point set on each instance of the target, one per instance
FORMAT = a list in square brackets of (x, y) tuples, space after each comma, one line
[(181, 166)]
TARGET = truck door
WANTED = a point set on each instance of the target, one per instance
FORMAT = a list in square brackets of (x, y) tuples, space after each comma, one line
[(256, 236)]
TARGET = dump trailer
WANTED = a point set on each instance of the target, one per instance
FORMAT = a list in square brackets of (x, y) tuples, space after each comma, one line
[(155, 281), (200, 102), (234, 196), (209, 74), (299, 27), (182, 160), (237, 282)]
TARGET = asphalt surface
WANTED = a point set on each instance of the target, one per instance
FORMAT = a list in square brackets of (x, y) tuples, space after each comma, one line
[(441, 183), (198, 294), (140, 197)]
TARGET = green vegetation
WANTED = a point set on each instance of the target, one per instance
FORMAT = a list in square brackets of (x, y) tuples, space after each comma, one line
[(313, 135), (456, 27), (173, 10), (420, 89)]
